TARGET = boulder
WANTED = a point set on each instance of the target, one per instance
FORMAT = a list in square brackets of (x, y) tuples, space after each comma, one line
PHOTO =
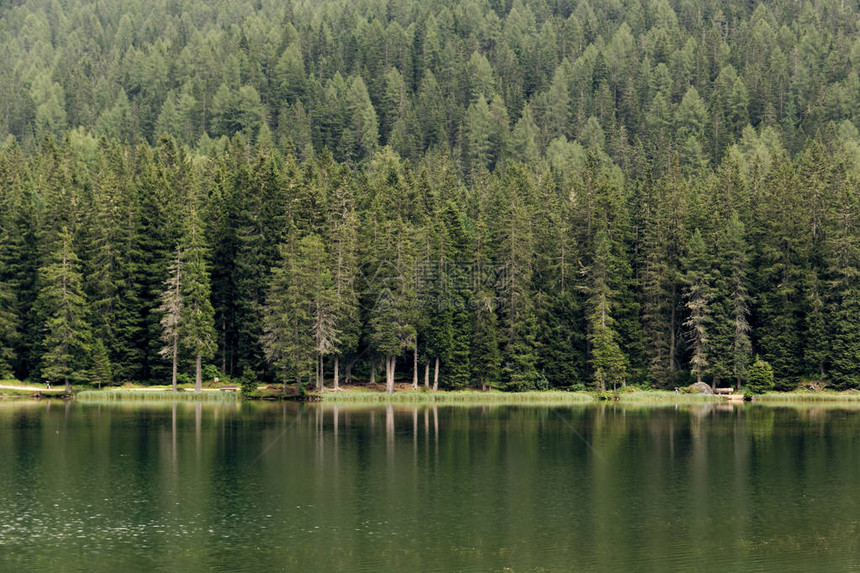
[(700, 388)]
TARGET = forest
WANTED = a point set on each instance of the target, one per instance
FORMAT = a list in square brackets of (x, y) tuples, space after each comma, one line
[(517, 195)]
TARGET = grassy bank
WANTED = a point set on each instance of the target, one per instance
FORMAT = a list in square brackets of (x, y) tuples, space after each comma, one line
[(17, 389), (807, 396), (664, 396), (404, 394), (157, 395), (458, 396)]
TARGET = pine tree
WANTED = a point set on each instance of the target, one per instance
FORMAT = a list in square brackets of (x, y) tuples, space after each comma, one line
[(9, 333), (321, 290), (288, 319), (513, 237), (112, 255), (171, 313), (608, 362), (782, 239), (477, 142), (261, 204), (61, 300), (101, 368), (736, 259), (843, 250), (730, 345), (197, 325), (698, 293), (163, 179), (655, 276), (342, 238), (486, 357), (390, 263)]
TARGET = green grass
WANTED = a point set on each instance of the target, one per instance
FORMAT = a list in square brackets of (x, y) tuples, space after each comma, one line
[(23, 389), (28, 392), (154, 396), (663, 396), (807, 396), (463, 396)]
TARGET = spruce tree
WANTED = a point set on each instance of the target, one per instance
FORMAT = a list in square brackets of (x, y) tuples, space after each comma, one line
[(112, 255), (782, 231), (171, 313), (9, 333), (288, 318), (513, 237), (101, 371), (698, 294), (197, 323), (342, 238), (608, 362), (730, 344), (314, 263), (67, 341), (843, 263)]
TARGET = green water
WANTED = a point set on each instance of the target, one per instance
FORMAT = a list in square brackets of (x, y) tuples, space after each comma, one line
[(272, 487)]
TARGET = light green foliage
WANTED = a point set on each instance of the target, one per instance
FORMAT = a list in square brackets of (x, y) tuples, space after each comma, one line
[(760, 376)]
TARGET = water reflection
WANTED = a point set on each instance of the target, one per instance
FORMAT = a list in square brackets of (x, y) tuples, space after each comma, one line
[(248, 486)]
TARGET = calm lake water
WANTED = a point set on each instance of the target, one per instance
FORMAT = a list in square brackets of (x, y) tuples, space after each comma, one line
[(282, 487)]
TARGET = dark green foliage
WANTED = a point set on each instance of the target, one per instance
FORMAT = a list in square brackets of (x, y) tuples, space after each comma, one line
[(68, 338), (699, 296), (197, 323), (101, 372), (248, 382), (300, 313), (760, 376), (608, 362), (522, 195)]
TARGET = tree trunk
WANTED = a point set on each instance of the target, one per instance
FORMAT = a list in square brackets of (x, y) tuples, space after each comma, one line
[(175, 356), (224, 350), (415, 368), (372, 372), (348, 379), (68, 386), (198, 373), (335, 384), (427, 375), (436, 376), (389, 374), (672, 334), (320, 375)]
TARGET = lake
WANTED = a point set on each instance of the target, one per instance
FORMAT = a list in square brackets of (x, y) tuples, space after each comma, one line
[(285, 487)]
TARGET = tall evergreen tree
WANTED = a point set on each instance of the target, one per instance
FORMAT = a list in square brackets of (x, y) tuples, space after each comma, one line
[(171, 314), (608, 362), (513, 237), (112, 252), (699, 295), (197, 324), (288, 319), (61, 299)]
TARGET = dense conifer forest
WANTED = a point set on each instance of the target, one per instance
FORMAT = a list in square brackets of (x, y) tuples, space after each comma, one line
[(514, 194)]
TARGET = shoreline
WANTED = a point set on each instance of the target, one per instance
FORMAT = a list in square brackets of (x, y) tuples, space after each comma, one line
[(405, 394)]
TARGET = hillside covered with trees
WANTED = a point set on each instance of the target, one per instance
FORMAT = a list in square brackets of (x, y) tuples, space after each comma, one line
[(518, 194)]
